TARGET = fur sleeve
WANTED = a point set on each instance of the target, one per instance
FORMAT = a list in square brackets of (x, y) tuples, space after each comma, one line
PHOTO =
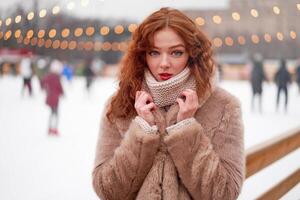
[(121, 164), (211, 168)]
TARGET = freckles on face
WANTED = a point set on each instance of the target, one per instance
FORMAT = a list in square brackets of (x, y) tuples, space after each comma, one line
[(168, 57)]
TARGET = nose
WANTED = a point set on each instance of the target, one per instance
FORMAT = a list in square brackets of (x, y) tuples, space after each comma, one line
[(165, 62)]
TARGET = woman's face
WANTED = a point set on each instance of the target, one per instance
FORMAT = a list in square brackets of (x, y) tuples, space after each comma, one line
[(168, 57)]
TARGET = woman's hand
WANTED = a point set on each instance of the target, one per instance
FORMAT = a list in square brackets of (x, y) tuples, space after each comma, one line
[(144, 106), (188, 104)]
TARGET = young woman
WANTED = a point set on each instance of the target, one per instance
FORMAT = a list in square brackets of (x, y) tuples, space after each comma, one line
[(169, 132)]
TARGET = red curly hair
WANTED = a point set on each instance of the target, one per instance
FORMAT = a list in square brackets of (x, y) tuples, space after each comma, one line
[(134, 62)]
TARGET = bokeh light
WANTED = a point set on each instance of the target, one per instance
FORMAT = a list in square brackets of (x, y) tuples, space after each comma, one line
[(41, 33), (90, 31), (276, 10), (293, 34), (229, 41), (279, 36), (254, 13), (236, 16), (255, 39), (217, 19), (30, 15), (65, 32), (200, 21), (132, 27), (8, 21), (241, 40), (78, 32), (104, 30), (29, 34), (217, 42), (55, 10), (43, 13), (97, 46), (18, 33), (119, 29), (52, 33), (18, 19), (267, 37), (7, 35)]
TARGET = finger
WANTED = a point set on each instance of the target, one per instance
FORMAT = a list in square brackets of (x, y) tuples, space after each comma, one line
[(137, 94), (191, 96), (139, 102), (149, 107), (147, 94), (180, 102), (143, 97), (185, 94), (146, 97), (193, 93), (189, 91)]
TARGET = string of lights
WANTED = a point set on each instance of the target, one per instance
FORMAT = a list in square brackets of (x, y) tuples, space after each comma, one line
[(51, 42), (51, 38), (73, 45), (66, 32), (119, 29)]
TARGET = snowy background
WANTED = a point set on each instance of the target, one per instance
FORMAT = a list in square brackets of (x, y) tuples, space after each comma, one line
[(35, 166)]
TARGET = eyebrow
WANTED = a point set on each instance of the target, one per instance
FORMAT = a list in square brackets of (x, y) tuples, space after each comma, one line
[(172, 47)]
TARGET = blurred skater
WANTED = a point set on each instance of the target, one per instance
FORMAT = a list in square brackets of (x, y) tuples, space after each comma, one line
[(52, 85), (257, 78), (67, 71), (89, 74), (26, 73), (282, 79)]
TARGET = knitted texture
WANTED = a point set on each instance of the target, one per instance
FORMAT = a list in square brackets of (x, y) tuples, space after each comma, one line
[(180, 125), (145, 126), (166, 92)]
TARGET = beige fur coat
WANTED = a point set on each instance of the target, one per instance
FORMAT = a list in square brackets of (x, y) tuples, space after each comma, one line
[(204, 160)]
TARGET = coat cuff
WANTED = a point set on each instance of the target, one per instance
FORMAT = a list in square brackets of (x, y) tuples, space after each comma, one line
[(145, 125), (180, 125)]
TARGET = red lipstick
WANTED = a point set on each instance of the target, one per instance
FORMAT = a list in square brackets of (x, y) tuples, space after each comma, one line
[(165, 76)]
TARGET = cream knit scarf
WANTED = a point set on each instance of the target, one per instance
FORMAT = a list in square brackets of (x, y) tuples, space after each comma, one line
[(165, 93)]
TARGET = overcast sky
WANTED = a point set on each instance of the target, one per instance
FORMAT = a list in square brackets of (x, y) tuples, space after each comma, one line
[(131, 9)]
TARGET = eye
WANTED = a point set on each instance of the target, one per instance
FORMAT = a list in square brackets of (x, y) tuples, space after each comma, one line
[(177, 53), (153, 53)]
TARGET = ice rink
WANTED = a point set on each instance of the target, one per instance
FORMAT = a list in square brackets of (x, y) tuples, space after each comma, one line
[(35, 166)]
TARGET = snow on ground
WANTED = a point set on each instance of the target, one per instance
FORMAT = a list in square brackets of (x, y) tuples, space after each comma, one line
[(34, 166)]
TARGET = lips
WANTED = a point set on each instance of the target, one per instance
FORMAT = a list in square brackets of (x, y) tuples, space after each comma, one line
[(165, 76)]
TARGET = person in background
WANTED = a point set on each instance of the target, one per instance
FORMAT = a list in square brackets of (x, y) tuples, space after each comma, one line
[(98, 66), (67, 71), (169, 132), (52, 85), (89, 74), (26, 73), (257, 78), (282, 79), (219, 72), (41, 69)]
